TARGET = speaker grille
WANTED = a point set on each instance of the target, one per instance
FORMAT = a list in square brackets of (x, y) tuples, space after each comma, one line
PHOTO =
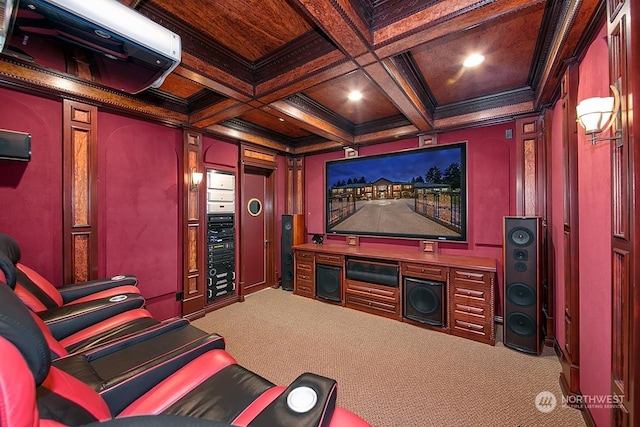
[(423, 301), (328, 279)]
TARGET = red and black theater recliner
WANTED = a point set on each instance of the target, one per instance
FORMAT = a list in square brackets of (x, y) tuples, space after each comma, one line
[(69, 309), (35, 392), (89, 334), (121, 369)]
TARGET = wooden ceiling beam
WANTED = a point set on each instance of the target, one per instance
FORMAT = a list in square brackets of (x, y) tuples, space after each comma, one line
[(340, 21), (307, 75), (395, 87), (218, 112), (312, 123), (238, 135), (195, 69), (386, 135)]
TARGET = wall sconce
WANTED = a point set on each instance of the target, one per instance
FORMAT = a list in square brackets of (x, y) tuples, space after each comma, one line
[(196, 178), (596, 115)]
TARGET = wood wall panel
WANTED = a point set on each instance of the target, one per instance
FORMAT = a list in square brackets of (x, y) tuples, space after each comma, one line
[(192, 225), (294, 186), (623, 20), (570, 355), (80, 192)]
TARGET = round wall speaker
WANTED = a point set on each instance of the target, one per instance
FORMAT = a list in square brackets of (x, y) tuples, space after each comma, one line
[(424, 300), (520, 236), (521, 324), (521, 294)]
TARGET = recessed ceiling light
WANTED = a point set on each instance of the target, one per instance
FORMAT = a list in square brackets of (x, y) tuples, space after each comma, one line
[(473, 60), (281, 119), (355, 95)]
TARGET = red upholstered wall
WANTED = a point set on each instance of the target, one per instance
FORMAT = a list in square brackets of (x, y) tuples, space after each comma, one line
[(491, 191), (594, 196), (31, 193), (138, 181)]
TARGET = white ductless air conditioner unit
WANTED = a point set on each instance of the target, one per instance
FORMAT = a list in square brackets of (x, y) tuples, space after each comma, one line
[(102, 41)]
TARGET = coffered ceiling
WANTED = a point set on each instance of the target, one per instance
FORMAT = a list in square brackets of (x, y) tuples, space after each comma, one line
[(277, 73)]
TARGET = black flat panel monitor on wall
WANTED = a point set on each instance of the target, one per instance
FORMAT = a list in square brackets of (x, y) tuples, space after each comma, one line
[(419, 194), (15, 146)]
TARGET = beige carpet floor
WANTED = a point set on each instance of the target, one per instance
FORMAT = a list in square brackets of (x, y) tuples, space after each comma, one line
[(390, 373)]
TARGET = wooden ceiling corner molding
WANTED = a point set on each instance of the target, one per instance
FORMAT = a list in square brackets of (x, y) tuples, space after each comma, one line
[(490, 116), (259, 157), (80, 192), (63, 86), (239, 135)]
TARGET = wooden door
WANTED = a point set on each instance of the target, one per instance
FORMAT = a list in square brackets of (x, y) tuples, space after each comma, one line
[(256, 214)]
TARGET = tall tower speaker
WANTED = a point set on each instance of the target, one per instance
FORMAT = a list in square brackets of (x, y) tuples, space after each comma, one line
[(292, 234), (522, 285)]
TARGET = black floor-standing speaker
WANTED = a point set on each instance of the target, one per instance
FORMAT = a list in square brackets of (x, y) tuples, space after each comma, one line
[(292, 234), (522, 306)]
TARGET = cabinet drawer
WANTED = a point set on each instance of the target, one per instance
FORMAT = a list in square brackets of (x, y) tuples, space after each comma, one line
[(425, 271), (372, 291), (478, 312), (468, 326), (304, 275), (330, 259), (470, 294), (473, 277), (304, 266), (373, 305), (304, 256), (304, 288)]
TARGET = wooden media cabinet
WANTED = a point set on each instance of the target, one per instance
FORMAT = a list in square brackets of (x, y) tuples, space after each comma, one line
[(459, 289)]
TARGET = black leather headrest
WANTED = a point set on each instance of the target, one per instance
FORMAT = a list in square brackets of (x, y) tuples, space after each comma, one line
[(9, 271), (18, 327), (10, 248)]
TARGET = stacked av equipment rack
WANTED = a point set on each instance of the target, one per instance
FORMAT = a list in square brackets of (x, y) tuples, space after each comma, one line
[(220, 255)]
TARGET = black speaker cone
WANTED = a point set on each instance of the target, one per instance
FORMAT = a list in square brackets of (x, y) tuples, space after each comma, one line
[(330, 284), (424, 300), (521, 324), (287, 258), (520, 254), (520, 236), (520, 267), (521, 294)]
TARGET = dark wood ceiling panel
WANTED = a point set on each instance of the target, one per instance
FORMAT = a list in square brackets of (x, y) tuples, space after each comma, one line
[(250, 28), (332, 95), (451, 19), (279, 124), (507, 59), (179, 86)]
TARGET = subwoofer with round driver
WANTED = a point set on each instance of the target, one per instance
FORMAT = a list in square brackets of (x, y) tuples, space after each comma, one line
[(522, 308), (424, 301)]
